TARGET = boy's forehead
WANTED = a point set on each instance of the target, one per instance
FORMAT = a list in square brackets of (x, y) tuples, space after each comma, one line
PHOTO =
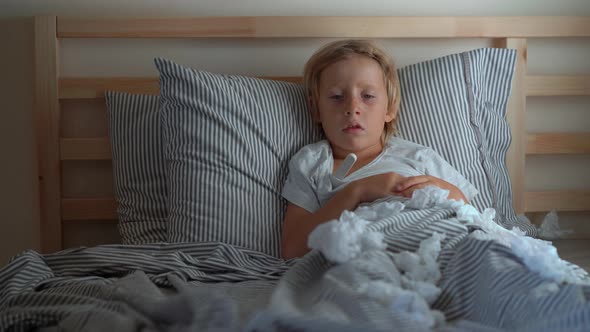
[(361, 71), (350, 58)]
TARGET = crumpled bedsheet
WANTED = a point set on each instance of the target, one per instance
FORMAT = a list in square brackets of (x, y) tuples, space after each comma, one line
[(426, 264)]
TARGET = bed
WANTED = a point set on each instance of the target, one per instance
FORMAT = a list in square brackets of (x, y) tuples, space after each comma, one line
[(195, 198)]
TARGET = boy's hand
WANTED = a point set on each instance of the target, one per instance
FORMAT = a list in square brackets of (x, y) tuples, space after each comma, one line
[(407, 186), (377, 186)]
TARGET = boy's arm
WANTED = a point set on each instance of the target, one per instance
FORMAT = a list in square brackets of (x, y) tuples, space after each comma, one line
[(299, 223), (407, 186), (442, 174)]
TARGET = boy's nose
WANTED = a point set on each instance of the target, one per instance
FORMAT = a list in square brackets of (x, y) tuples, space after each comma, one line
[(353, 107)]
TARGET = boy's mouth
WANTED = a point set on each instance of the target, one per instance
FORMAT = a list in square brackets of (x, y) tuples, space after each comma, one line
[(352, 128)]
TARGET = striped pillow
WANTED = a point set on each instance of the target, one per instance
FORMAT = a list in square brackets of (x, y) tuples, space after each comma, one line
[(139, 168), (229, 141), (457, 104), (490, 73)]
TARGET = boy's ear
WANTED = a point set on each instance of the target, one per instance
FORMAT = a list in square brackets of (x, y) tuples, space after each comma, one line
[(391, 114)]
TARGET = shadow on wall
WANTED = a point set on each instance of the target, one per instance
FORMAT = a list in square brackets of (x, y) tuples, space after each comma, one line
[(19, 212)]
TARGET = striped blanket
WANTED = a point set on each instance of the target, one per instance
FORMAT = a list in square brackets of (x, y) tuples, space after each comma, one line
[(484, 285), (479, 284), (131, 287)]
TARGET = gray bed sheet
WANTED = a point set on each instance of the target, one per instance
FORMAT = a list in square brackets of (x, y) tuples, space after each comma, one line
[(217, 287)]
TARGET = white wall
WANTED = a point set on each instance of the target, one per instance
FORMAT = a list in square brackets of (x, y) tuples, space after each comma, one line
[(294, 7), (18, 211)]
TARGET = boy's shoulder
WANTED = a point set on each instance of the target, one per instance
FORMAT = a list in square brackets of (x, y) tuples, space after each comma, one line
[(403, 147), (313, 150), (311, 159), (312, 153)]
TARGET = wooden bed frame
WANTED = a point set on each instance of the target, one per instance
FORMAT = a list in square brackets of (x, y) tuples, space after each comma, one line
[(65, 140)]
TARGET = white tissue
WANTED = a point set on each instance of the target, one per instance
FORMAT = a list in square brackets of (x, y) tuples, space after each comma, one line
[(427, 197), (344, 239), (379, 210), (379, 290), (413, 306), (544, 289), (549, 229), (541, 257), (429, 291), (432, 196), (422, 265), (538, 255)]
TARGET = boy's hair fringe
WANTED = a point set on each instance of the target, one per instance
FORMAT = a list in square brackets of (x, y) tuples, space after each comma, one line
[(338, 50)]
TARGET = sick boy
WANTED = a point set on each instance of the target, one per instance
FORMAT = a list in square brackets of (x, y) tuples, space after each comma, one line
[(354, 95)]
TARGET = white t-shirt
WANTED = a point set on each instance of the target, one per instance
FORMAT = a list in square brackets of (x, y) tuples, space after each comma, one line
[(310, 183)]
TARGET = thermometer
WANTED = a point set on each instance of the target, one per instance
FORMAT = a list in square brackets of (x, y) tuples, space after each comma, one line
[(345, 166)]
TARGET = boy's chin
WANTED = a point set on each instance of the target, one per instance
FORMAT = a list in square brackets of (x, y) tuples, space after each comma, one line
[(355, 145)]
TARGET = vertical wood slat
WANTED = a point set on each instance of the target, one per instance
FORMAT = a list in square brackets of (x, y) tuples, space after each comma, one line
[(516, 117), (47, 116)]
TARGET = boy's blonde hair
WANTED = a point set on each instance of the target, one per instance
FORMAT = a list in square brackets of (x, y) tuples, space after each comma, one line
[(339, 50)]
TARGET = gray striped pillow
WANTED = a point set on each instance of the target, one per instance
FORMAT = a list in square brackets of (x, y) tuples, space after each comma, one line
[(229, 141), (490, 74), (139, 168), (457, 104)]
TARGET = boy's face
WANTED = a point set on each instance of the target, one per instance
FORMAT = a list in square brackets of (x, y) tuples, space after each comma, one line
[(352, 104)]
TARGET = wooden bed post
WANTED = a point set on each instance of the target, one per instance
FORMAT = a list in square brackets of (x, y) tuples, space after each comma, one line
[(47, 114), (516, 117)]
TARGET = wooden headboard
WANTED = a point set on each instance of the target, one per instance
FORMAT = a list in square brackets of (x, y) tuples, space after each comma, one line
[(75, 175)]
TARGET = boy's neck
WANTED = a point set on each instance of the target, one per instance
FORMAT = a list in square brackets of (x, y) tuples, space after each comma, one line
[(364, 156)]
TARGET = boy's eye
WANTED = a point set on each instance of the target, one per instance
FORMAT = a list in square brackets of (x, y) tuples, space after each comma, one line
[(368, 96), (336, 97)]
